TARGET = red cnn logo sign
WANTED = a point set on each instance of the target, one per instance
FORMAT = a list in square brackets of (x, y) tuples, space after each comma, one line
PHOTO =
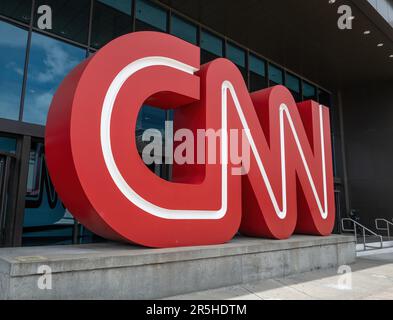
[(95, 166)]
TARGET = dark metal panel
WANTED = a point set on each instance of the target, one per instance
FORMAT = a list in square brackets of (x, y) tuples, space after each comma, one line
[(22, 128), (15, 224), (368, 125), (339, 104), (7, 163)]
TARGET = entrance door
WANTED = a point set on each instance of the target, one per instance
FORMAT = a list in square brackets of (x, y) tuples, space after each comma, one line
[(46, 220)]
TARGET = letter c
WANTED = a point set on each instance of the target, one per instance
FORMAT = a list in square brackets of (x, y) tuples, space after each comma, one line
[(93, 159)]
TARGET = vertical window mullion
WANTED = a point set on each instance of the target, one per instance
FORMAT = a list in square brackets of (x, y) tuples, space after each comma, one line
[(90, 24), (133, 15), (169, 21), (26, 66)]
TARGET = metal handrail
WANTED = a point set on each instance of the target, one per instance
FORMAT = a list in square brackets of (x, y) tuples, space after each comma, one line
[(387, 229), (364, 230)]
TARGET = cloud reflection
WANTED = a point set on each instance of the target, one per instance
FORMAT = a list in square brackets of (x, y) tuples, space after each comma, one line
[(50, 61)]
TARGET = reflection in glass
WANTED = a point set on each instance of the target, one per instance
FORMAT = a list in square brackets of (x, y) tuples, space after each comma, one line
[(111, 19), (293, 84), (17, 9), (150, 17), (70, 19), (183, 29), (46, 220), (43, 207), (276, 75), (309, 91), (7, 144), (238, 57), (50, 61), (151, 118), (13, 42), (257, 73), (211, 47)]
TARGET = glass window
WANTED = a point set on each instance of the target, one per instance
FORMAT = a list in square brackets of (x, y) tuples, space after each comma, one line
[(7, 144), (257, 65), (13, 43), (70, 19), (276, 75), (257, 73), (238, 57), (151, 118), (309, 91), (50, 61), (16, 9), (150, 17), (324, 98), (111, 19), (46, 220), (124, 6), (183, 29), (211, 45), (293, 84)]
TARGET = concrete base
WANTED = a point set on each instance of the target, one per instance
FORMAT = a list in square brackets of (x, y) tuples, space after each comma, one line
[(120, 271)]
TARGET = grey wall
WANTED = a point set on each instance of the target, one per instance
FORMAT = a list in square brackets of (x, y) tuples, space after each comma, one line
[(385, 8), (368, 128)]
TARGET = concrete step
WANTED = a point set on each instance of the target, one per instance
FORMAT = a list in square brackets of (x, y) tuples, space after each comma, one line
[(121, 271)]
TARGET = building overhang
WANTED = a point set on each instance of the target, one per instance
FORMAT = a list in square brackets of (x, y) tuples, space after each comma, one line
[(303, 36)]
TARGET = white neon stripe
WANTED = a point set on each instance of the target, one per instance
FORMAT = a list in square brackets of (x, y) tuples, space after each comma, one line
[(174, 214), (120, 182)]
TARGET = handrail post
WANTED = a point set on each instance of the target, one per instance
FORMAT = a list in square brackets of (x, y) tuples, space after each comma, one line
[(355, 231), (364, 239)]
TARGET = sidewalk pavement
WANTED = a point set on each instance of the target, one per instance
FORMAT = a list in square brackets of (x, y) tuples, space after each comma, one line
[(371, 278)]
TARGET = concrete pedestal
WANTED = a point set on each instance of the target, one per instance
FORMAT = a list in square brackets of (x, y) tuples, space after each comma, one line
[(120, 271)]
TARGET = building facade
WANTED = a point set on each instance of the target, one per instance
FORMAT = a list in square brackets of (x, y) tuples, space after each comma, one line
[(299, 44)]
